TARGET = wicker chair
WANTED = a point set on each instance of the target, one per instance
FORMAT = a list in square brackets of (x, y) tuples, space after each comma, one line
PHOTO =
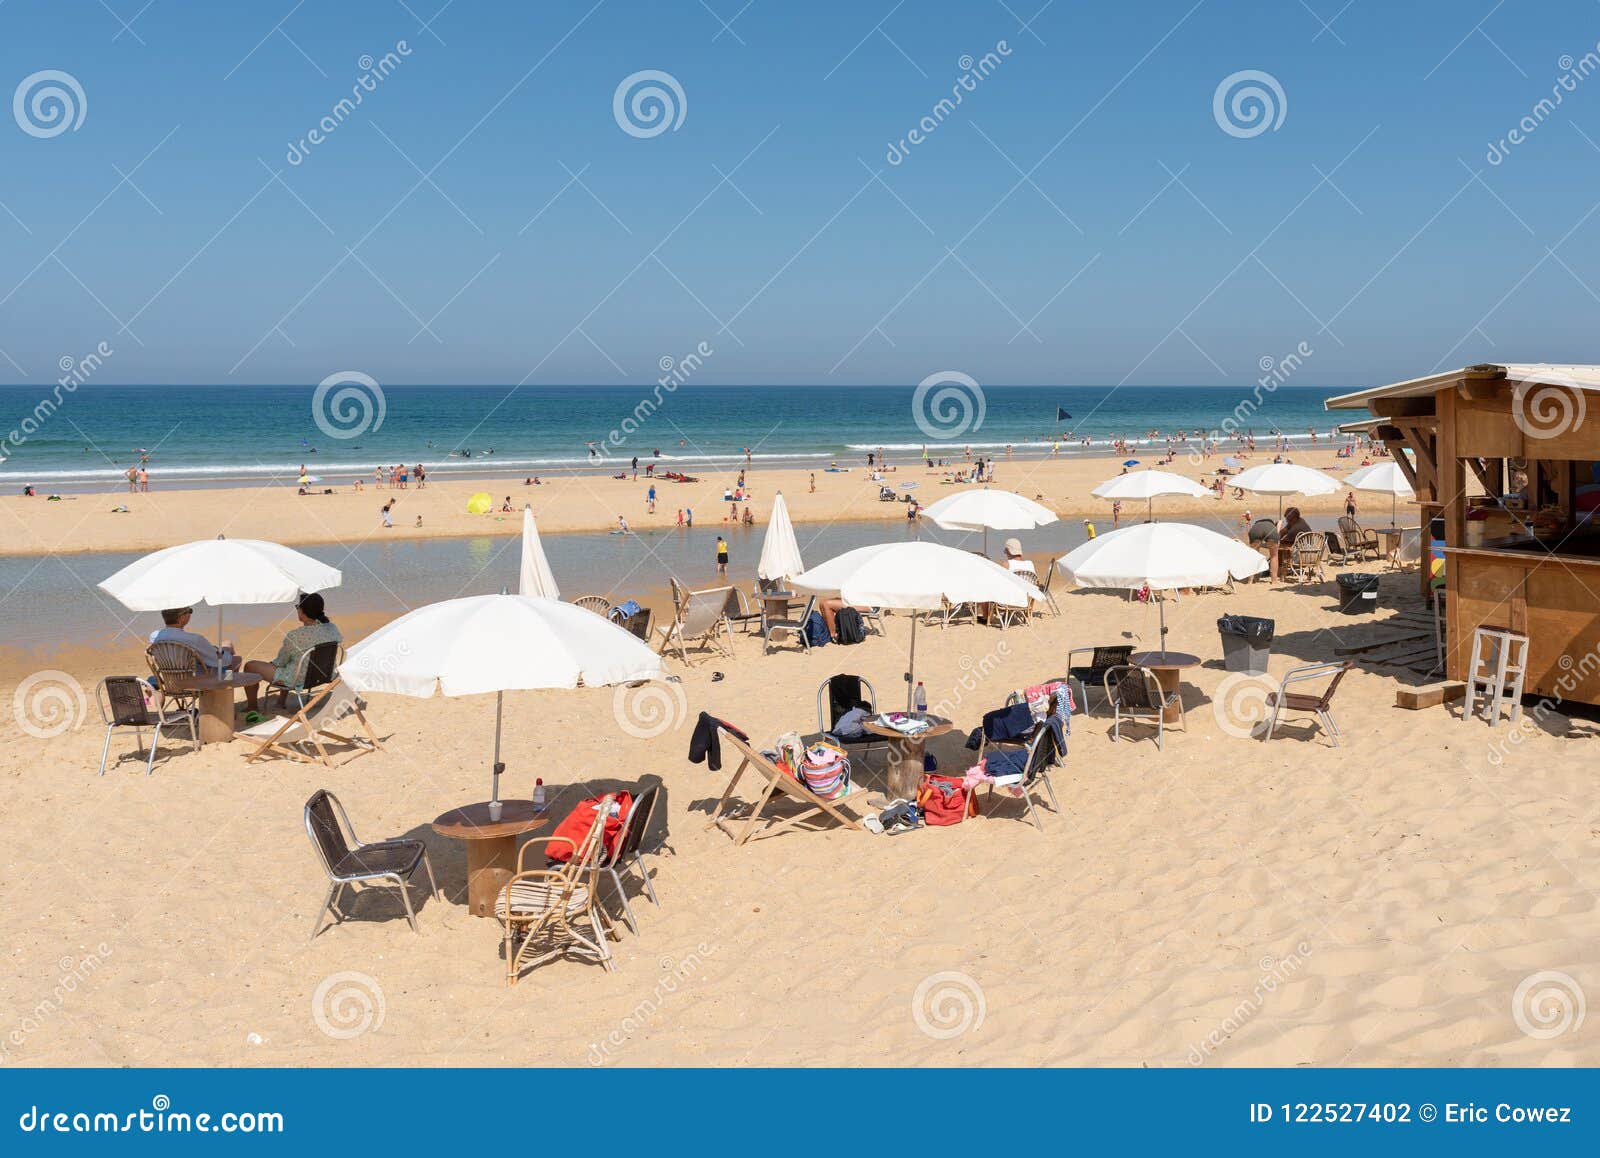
[(598, 604), (362, 864), (547, 903), (174, 665), (121, 700), (1306, 557), (1358, 541)]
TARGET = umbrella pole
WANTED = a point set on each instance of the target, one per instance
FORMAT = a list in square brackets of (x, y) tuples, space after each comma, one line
[(911, 675), (1163, 630), (499, 706)]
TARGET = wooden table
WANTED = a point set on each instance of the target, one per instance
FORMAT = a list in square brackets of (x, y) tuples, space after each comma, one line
[(1168, 668), (217, 703), (491, 846), (907, 752)]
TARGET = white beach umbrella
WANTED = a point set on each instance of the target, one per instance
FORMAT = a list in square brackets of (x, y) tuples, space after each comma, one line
[(780, 553), (536, 578), (985, 510), (496, 643), (916, 577), (1147, 485), (1284, 478), (1384, 478), (218, 571), (1162, 556)]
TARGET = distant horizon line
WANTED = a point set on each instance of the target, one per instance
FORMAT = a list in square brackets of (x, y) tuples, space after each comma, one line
[(698, 385)]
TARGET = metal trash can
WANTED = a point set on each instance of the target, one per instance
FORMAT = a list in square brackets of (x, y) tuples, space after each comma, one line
[(1246, 642), (1358, 592)]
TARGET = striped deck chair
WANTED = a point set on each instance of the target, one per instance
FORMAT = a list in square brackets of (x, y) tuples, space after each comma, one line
[(702, 620), (779, 783), (300, 736)]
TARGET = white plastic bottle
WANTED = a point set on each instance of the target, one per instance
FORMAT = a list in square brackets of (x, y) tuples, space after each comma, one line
[(538, 795), (920, 700)]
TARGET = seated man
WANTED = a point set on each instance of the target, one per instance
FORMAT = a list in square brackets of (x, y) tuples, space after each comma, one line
[(176, 621)]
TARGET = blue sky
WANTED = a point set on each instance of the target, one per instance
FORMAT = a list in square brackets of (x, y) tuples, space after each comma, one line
[(1081, 217)]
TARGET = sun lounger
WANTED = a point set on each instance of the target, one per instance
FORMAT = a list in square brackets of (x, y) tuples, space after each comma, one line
[(778, 783), (293, 735)]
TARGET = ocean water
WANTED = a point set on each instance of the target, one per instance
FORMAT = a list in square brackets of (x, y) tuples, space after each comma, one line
[(87, 437)]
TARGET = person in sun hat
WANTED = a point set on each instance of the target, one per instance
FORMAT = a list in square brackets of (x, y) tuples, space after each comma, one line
[(1013, 557)]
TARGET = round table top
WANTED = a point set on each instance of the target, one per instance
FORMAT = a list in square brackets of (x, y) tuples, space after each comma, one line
[(210, 683), (472, 821), (1164, 659), (937, 726)]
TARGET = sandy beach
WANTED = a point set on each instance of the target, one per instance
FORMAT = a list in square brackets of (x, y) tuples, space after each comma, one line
[(578, 502), (1226, 902)]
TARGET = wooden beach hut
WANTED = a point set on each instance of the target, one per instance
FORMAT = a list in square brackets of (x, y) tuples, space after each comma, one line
[(1505, 460)]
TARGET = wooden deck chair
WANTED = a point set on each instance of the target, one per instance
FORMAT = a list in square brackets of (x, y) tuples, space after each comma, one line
[(300, 735), (702, 619), (544, 905), (778, 783), (318, 669), (1049, 581)]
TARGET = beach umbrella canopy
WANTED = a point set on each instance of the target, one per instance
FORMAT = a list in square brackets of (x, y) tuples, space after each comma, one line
[(496, 643), (218, 571), (1384, 478), (780, 553), (1146, 485), (985, 510), (1284, 478), (536, 577), (480, 504), (916, 577), (1233, 462), (1163, 557)]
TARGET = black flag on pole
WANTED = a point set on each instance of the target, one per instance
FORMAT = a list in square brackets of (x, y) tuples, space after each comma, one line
[(1062, 415)]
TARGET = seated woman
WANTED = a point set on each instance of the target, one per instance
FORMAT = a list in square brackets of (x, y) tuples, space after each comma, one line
[(285, 668)]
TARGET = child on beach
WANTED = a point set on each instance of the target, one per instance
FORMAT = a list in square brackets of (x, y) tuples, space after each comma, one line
[(689, 516), (680, 516), (387, 521), (722, 555)]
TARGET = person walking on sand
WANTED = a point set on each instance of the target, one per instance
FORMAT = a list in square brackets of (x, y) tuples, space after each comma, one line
[(722, 555), (144, 478), (133, 479), (680, 516), (688, 513), (813, 482), (387, 507), (650, 500)]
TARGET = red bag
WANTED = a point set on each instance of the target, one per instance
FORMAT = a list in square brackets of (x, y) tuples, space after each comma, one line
[(945, 800), (576, 826)]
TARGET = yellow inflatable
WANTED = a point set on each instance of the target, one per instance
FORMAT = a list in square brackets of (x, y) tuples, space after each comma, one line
[(480, 504)]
